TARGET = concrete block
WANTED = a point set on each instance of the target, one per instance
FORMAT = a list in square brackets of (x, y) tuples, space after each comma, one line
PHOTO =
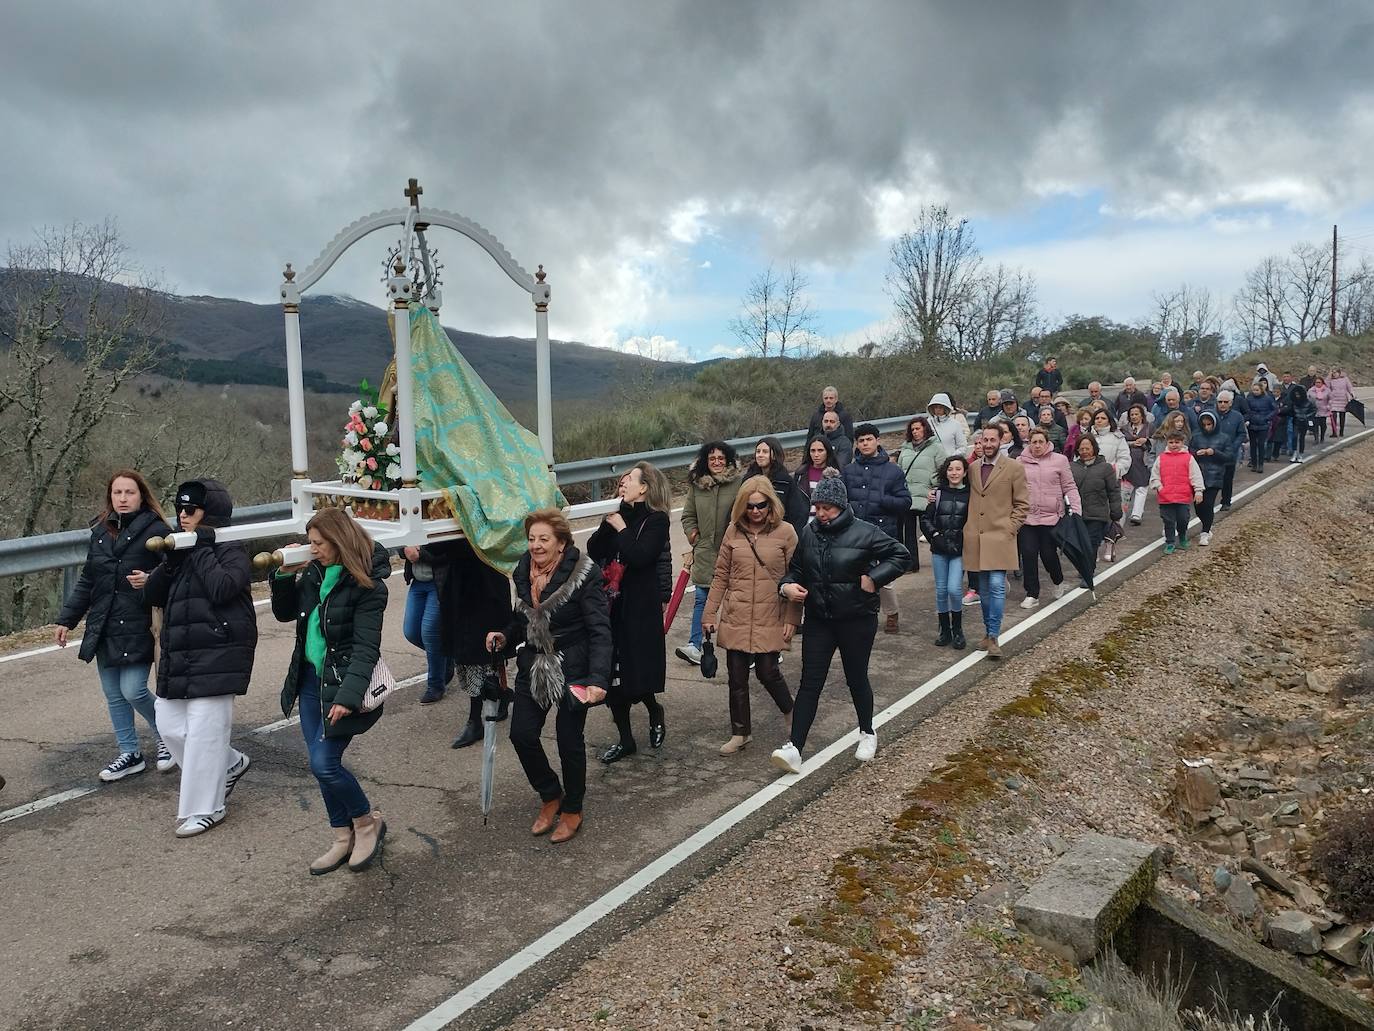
[(1089, 892)]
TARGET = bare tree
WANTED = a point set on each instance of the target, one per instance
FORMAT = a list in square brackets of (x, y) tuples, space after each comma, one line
[(775, 314), (1307, 293), (1257, 308), (998, 311), (935, 267), (80, 321), (1188, 324), (1355, 300)]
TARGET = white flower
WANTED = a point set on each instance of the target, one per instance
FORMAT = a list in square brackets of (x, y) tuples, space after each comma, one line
[(353, 458), (350, 438), (379, 429), (393, 450), (356, 406), (370, 412), (393, 471)]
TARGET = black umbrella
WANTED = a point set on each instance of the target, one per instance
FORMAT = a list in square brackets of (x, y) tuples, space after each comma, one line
[(1356, 408), (1071, 534)]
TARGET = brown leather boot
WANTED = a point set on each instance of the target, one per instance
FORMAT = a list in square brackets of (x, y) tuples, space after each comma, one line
[(891, 626), (368, 832), (991, 646), (337, 854), (568, 825), (548, 816)]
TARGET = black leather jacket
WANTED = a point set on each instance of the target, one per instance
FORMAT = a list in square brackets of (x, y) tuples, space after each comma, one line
[(943, 522), (830, 559)]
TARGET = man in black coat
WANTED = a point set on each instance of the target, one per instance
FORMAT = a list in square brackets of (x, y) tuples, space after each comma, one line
[(1050, 378), (830, 402), (839, 566), (878, 494), (209, 637)]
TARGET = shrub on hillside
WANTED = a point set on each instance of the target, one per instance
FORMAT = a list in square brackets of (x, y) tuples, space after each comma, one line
[(1344, 857)]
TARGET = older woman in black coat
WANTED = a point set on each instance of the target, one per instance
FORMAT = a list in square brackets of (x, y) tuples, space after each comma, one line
[(209, 636), (561, 618), (628, 544), (118, 624)]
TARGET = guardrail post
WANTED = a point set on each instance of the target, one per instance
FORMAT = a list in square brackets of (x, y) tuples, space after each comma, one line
[(596, 490), (69, 577)]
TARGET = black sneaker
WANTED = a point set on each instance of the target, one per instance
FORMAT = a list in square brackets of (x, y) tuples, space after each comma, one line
[(126, 765), (432, 695), (235, 772)]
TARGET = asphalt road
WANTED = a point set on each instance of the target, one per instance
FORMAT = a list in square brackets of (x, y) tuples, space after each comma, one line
[(110, 921)]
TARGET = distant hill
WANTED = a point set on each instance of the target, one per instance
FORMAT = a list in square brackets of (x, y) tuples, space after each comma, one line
[(222, 340), (343, 340)]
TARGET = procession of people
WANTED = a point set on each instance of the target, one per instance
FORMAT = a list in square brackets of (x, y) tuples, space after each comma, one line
[(776, 554)]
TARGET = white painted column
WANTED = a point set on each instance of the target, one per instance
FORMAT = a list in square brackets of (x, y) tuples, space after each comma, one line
[(400, 290), (542, 371), (295, 384)]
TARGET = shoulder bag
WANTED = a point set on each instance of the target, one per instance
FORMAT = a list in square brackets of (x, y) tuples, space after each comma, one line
[(381, 687)]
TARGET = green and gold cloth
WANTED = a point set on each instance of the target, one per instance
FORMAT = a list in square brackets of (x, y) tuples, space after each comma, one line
[(490, 468)]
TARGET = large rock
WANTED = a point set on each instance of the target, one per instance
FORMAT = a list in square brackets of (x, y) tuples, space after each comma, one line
[(1087, 894), (1294, 932), (1197, 791), (1343, 944), (1241, 899)]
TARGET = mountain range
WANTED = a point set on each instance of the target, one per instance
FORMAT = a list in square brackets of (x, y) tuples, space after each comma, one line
[(343, 340)]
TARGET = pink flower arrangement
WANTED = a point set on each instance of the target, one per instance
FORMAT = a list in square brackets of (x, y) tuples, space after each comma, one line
[(367, 459)]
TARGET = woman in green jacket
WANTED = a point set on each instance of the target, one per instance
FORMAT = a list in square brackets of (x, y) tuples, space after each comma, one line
[(338, 601), (713, 484), (920, 460)]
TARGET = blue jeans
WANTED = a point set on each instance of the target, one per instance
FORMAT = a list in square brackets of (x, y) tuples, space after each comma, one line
[(126, 692), (949, 582), (992, 595), (421, 628), (698, 607), (344, 799)]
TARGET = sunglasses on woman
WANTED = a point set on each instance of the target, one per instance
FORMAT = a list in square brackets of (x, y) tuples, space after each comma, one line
[(187, 509), (756, 506)]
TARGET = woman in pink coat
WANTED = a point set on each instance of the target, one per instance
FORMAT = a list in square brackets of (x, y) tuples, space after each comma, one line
[(1049, 482), (1342, 393), (1320, 395)]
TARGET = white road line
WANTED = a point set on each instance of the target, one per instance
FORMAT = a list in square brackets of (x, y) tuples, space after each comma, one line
[(44, 803), (39, 805), (72, 642), (464, 1000)]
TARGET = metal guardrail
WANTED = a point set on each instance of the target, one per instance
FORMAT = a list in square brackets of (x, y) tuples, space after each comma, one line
[(67, 550)]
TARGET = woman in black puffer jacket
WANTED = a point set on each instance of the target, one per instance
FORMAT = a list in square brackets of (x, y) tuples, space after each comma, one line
[(837, 569), (209, 636), (562, 618), (942, 522), (337, 603), (118, 624)]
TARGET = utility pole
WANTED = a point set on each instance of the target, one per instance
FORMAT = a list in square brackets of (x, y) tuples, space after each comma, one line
[(1333, 280)]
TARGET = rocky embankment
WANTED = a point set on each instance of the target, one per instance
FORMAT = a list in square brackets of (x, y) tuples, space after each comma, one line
[(1216, 704)]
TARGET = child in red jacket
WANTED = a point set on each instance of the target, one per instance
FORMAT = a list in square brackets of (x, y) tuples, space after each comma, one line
[(1178, 478)]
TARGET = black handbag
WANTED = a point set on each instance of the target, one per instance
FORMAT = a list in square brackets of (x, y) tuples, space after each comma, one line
[(710, 665)]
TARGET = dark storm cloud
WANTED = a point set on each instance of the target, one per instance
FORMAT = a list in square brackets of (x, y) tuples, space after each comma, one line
[(228, 137)]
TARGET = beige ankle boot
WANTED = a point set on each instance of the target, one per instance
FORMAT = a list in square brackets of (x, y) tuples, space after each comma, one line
[(368, 832), (337, 854), (735, 743)]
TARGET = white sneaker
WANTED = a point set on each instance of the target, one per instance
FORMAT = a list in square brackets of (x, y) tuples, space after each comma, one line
[(1030, 603), (970, 597), (1060, 590), (1204, 538), (787, 758), (200, 824), (690, 653), (165, 764), (868, 747)]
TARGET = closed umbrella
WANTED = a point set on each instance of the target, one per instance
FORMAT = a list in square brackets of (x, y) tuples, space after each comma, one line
[(1071, 534), (679, 589), (493, 687)]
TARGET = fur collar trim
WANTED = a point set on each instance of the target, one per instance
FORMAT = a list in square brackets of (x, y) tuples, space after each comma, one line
[(711, 481), (547, 682)]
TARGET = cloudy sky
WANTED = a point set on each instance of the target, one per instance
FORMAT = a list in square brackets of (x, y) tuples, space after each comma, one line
[(655, 156)]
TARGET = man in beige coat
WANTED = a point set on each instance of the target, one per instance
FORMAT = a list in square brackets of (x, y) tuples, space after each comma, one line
[(998, 505)]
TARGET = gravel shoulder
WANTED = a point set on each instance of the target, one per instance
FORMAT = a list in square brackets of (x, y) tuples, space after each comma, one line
[(885, 900)]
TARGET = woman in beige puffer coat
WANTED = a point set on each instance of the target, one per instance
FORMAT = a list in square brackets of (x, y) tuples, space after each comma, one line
[(755, 622)]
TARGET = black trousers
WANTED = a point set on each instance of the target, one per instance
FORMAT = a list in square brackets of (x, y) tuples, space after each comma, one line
[(1037, 545), (1338, 424), (770, 676), (1228, 483), (1206, 508), (1258, 440), (854, 640), (1175, 518), (526, 724), (911, 533), (620, 712)]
